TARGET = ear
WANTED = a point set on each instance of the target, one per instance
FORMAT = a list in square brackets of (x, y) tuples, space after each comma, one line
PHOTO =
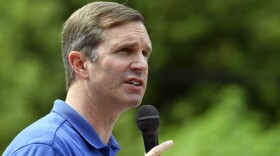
[(77, 61)]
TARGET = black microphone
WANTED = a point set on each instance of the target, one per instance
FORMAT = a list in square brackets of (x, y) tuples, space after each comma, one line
[(147, 119)]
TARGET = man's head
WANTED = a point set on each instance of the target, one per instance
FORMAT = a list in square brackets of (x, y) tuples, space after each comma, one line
[(85, 29)]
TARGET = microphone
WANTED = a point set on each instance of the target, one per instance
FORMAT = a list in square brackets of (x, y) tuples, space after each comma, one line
[(147, 119)]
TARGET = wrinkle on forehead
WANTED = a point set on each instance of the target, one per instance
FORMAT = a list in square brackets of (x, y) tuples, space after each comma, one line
[(132, 44), (130, 34)]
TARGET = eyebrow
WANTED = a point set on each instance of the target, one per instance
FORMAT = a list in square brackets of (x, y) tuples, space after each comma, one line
[(133, 44)]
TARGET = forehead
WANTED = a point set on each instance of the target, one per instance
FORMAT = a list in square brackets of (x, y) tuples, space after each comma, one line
[(133, 32)]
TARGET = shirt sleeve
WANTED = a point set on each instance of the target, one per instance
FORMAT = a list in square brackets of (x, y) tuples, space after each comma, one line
[(36, 150)]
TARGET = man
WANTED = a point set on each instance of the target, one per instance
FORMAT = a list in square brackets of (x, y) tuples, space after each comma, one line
[(105, 48)]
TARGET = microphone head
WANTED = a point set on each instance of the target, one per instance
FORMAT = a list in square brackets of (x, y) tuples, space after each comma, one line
[(147, 118)]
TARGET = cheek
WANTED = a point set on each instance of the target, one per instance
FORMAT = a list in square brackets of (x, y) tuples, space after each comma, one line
[(116, 65), (110, 68), (113, 69)]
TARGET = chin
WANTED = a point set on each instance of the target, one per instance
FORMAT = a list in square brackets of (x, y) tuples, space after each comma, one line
[(137, 104), (132, 104)]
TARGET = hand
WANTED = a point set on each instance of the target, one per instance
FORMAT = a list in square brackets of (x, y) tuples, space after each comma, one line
[(159, 149)]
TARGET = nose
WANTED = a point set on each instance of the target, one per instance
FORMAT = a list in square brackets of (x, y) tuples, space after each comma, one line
[(140, 63)]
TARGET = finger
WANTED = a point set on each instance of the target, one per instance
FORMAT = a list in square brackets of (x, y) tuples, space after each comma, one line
[(159, 149)]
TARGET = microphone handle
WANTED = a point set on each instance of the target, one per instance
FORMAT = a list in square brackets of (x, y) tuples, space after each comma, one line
[(150, 139)]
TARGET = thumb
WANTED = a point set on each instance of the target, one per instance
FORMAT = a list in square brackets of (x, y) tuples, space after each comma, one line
[(159, 149)]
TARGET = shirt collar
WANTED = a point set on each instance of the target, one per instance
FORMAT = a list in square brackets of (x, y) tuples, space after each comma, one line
[(82, 126)]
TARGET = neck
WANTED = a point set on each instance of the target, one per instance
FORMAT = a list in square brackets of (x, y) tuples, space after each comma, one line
[(99, 116)]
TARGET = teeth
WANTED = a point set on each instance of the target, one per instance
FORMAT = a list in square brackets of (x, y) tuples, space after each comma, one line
[(135, 83)]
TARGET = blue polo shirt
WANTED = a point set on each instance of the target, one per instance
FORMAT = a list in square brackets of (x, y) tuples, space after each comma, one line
[(63, 132)]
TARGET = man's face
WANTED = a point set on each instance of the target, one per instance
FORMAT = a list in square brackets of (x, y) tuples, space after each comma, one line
[(119, 76)]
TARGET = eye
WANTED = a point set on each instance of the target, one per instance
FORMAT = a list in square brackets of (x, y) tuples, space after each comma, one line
[(146, 53), (124, 50)]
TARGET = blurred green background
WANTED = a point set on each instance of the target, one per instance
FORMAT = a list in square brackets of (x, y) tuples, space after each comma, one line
[(214, 73)]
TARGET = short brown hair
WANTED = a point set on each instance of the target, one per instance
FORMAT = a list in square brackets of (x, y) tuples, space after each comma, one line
[(84, 29)]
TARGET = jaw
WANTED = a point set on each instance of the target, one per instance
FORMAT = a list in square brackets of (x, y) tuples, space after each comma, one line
[(129, 98)]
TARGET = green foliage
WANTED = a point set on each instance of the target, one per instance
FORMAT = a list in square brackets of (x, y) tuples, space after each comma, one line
[(229, 128), (214, 72), (31, 69)]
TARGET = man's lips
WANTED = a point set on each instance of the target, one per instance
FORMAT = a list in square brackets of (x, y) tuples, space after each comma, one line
[(135, 81)]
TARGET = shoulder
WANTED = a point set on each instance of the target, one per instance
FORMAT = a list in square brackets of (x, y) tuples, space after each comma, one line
[(33, 150), (39, 135)]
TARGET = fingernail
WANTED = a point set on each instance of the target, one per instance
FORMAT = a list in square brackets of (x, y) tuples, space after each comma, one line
[(169, 142)]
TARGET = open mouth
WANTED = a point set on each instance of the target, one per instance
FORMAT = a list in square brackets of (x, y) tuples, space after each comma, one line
[(134, 83)]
